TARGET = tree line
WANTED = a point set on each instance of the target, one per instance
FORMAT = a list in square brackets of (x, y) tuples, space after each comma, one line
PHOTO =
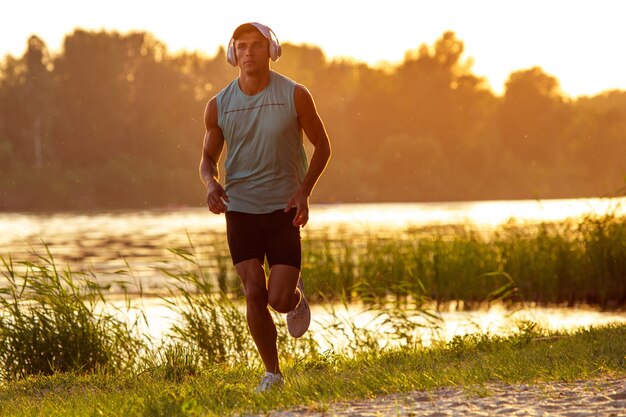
[(116, 121)]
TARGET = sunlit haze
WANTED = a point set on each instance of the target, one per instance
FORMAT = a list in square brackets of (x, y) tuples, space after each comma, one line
[(579, 42)]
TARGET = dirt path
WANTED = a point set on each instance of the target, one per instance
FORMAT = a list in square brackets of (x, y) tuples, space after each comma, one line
[(604, 397)]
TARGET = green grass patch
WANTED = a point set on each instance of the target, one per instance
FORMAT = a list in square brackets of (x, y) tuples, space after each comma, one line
[(528, 356)]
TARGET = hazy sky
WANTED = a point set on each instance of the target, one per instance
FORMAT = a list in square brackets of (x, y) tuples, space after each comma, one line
[(580, 42)]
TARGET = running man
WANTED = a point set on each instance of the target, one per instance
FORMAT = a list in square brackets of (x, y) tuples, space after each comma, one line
[(261, 116)]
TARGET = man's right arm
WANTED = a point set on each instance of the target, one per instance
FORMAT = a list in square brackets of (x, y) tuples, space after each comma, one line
[(211, 151)]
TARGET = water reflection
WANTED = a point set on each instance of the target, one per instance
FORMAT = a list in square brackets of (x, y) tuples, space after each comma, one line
[(495, 320), (480, 214)]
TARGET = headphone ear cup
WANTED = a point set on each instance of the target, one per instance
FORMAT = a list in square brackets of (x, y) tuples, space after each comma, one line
[(275, 49), (279, 51), (272, 50), (231, 56)]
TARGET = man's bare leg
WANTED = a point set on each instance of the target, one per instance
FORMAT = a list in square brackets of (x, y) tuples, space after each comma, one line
[(260, 322), (283, 295), (285, 292)]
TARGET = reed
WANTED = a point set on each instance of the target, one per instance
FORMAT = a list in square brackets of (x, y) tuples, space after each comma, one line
[(214, 325), (60, 321), (55, 320), (575, 262), (580, 261)]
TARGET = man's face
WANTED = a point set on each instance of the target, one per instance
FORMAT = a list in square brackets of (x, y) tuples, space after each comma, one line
[(252, 51)]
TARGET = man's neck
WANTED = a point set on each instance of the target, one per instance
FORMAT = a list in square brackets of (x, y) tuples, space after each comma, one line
[(252, 84)]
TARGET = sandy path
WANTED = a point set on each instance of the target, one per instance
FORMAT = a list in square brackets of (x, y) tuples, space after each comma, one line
[(604, 397)]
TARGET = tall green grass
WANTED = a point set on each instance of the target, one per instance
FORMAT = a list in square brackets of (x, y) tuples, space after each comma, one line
[(55, 320), (574, 262), (213, 324), (578, 261)]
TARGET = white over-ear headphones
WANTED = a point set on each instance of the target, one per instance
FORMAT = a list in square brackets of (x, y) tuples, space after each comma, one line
[(275, 49)]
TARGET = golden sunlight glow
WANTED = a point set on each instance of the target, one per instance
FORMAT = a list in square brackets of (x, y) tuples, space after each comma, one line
[(351, 217), (480, 214), (574, 41)]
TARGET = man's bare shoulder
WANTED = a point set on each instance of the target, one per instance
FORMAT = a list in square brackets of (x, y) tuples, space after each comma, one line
[(212, 101), (210, 112), (303, 100), (300, 89)]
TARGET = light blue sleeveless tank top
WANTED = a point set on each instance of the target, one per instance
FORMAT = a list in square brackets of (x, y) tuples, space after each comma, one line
[(265, 161)]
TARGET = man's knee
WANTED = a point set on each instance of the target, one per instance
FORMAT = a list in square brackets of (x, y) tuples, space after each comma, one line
[(252, 277), (281, 301), (256, 297), (282, 286)]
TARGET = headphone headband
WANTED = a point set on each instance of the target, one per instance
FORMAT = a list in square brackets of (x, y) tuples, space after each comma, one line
[(275, 48)]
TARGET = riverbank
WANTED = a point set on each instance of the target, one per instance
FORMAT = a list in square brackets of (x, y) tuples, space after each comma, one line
[(573, 374)]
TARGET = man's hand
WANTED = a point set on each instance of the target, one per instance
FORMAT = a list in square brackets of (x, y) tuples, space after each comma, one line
[(216, 197), (301, 202)]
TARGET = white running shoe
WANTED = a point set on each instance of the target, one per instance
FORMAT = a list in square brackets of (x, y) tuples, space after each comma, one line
[(270, 381), (299, 318)]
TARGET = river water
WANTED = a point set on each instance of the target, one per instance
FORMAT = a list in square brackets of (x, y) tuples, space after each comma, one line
[(325, 322), (139, 240), (111, 240)]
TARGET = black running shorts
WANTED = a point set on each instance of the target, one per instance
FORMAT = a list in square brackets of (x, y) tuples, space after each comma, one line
[(259, 235)]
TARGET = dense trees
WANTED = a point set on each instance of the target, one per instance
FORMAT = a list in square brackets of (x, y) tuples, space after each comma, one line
[(115, 120)]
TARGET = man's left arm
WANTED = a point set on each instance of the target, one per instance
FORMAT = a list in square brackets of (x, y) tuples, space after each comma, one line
[(313, 127)]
